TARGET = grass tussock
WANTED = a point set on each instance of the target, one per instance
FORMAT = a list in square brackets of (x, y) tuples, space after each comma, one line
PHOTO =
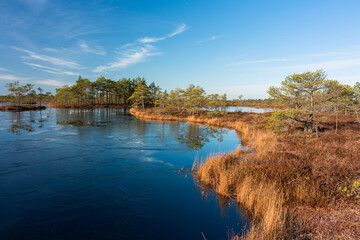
[(260, 197), (289, 181)]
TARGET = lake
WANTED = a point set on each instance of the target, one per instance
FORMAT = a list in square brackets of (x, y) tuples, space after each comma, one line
[(110, 176)]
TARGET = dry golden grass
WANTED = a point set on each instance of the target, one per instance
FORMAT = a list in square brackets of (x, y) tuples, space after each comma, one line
[(282, 176), (263, 199)]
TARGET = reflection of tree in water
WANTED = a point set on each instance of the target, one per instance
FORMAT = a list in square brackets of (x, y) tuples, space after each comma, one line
[(191, 135), (21, 125), (90, 115), (18, 128), (97, 117), (197, 136)]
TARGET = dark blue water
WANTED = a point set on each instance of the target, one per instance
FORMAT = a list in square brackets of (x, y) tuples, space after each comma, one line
[(115, 178)]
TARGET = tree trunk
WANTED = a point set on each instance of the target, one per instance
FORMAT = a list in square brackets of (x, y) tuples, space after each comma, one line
[(309, 123), (357, 116), (337, 119)]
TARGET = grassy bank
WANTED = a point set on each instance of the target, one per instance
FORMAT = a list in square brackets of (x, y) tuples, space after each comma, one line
[(289, 181)]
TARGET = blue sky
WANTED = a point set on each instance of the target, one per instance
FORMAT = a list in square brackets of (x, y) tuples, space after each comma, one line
[(233, 47)]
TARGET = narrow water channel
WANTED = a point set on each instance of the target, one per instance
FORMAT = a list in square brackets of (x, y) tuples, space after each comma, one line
[(110, 176)]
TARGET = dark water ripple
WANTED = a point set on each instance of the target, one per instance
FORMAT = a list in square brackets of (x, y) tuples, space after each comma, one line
[(119, 181)]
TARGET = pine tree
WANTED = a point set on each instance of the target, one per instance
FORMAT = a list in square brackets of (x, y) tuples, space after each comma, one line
[(300, 92), (141, 96), (19, 91)]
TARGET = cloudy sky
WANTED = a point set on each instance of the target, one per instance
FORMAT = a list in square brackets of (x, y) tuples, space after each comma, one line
[(233, 47)]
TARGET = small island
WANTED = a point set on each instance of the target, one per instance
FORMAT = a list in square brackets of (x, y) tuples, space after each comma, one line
[(24, 97)]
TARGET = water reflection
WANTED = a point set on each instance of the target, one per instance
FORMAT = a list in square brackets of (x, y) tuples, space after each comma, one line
[(82, 123), (18, 128), (197, 136), (26, 122), (193, 136), (93, 115)]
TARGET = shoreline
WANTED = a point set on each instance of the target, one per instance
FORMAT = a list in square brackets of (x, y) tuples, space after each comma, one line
[(281, 179)]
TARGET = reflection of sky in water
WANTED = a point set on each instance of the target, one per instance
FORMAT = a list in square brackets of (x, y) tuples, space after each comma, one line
[(119, 181), (248, 109)]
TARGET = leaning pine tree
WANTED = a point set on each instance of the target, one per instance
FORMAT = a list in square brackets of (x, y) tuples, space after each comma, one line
[(301, 95), (141, 96)]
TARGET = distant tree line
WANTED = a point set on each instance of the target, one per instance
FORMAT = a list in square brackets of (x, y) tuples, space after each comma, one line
[(104, 91)]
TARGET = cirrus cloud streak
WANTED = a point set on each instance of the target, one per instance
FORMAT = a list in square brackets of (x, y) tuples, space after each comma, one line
[(46, 58), (129, 57), (9, 77), (137, 52), (51, 82)]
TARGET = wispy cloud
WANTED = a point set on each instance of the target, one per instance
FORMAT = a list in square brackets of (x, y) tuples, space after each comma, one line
[(5, 70), (50, 82), (138, 51), (49, 59), (327, 54), (212, 38), (50, 69), (95, 49), (53, 50), (259, 61), (129, 57), (182, 28), (327, 65), (12, 78)]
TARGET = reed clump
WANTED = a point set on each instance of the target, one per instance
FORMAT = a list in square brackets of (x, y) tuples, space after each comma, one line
[(230, 177)]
